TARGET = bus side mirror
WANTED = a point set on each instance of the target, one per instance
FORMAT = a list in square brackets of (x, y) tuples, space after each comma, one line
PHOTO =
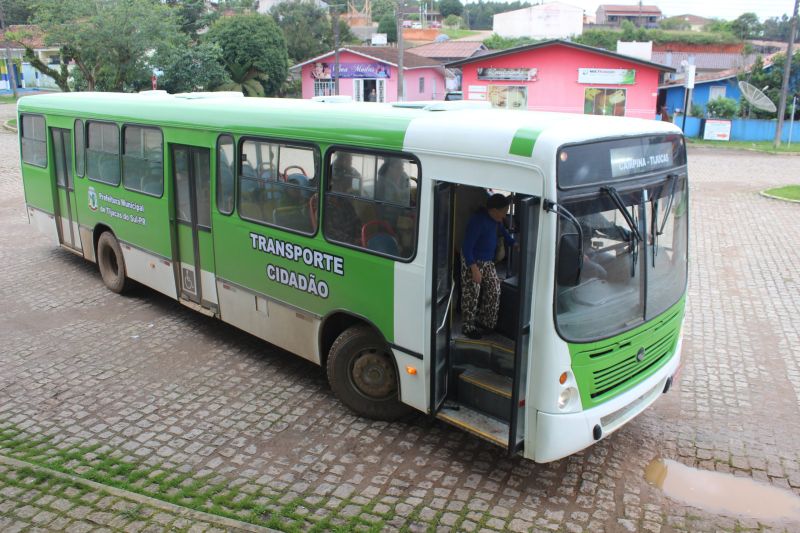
[(570, 260)]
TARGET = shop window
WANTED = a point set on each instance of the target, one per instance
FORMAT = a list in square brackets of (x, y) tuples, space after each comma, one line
[(102, 154), (34, 141), (324, 88), (599, 101), (278, 185), (143, 160), (508, 96), (371, 202)]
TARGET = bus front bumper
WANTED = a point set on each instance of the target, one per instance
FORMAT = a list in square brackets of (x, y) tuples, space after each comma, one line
[(560, 435)]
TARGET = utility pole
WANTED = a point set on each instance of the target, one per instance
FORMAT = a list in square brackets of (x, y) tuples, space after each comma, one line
[(787, 70), (12, 76), (400, 82), (335, 8)]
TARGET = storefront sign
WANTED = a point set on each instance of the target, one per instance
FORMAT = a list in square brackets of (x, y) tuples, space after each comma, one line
[(324, 71), (717, 130), (511, 74), (607, 76)]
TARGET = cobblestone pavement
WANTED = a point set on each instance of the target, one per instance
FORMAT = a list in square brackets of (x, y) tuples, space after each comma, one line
[(140, 392), (34, 499)]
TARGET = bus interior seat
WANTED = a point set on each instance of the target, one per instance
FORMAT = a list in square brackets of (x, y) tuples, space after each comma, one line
[(384, 243), (294, 217)]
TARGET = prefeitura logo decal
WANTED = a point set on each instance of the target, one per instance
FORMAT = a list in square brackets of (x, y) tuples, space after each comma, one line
[(92, 199)]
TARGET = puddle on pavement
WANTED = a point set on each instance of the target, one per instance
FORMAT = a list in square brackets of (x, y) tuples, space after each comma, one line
[(722, 493)]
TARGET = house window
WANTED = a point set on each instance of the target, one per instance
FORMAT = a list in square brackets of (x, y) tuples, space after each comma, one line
[(421, 85), (324, 88), (508, 96), (716, 91), (599, 101)]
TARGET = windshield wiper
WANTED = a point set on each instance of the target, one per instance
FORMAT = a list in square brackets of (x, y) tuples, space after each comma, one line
[(674, 179), (614, 195)]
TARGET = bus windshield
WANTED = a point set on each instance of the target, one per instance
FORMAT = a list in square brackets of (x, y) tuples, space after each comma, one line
[(625, 279)]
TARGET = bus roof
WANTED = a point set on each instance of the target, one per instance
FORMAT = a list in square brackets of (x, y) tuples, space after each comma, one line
[(450, 129)]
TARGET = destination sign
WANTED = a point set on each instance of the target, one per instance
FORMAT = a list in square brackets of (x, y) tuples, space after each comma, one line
[(601, 162)]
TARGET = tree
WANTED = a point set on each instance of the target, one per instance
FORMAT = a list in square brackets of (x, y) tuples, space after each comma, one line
[(380, 8), (388, 25), (194, 68), (450, 7), (770, 80), (453, 21), (17, 11), (307, 29), (109, 41), (722, 108), (253, 51), (192, 15), (746, 26), (674, 23), (717, 26)]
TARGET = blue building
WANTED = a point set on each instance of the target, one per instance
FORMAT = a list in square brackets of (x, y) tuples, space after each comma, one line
[(707, 87)]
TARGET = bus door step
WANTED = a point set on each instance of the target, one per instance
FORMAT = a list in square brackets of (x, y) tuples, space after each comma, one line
[(197, 307), (479, 424), (486, 391)]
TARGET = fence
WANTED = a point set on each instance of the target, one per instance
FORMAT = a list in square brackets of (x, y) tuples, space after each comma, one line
[(743, 129)]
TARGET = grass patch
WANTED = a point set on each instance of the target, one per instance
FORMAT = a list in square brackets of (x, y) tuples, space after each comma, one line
[(12, 123), (7, 99), (760, 146), (457, 33), (209, 492), (787, 192)]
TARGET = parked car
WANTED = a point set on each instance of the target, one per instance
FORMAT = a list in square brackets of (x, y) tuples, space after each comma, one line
[(417, 26), (407, 23), (454, 95)]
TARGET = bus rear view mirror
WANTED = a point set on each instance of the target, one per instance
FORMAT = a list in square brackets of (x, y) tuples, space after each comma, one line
[(570, 261)]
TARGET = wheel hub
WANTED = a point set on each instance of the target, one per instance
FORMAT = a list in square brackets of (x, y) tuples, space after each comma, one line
[(373, 375)]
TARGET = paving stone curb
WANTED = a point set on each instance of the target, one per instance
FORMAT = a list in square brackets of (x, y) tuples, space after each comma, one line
[(767, 195), (221, 521), (7, 126)]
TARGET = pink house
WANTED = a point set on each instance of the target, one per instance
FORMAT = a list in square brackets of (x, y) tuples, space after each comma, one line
[(563, 76), (369, 74)]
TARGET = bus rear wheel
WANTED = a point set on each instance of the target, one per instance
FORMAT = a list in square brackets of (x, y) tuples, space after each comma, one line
[(111, 263), (361, 372)]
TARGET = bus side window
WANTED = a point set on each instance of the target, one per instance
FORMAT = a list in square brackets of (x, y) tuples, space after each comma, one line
[(278, 185), (34, 143), (102, 154), (225, 174), (143, 160), (371, 202), (80, 153)]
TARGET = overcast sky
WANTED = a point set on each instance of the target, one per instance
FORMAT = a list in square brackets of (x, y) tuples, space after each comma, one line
[(725, 9)]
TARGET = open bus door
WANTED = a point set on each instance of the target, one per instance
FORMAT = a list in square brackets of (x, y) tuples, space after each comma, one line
[(480, 385), (442, 292)]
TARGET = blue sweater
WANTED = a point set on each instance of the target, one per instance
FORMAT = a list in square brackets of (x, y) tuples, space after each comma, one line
[(480, 238)]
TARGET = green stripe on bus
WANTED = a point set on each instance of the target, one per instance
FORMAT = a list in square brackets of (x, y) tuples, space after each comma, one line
[(523, 142), (605, 369)]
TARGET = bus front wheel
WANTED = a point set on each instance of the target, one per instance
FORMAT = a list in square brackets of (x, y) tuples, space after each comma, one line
[(362, 373), (111, 263)]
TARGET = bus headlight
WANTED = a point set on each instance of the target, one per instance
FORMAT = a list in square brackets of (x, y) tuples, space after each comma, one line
[(566, 396)]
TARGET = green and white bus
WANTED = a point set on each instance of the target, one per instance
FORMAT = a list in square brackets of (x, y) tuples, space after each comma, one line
[(281, 218)]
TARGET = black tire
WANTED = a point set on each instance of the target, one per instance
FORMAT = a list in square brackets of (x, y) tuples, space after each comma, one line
[(362, 373), (111, 263)]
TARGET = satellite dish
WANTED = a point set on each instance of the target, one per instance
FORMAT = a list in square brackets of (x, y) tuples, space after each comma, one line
[(757, 99)]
